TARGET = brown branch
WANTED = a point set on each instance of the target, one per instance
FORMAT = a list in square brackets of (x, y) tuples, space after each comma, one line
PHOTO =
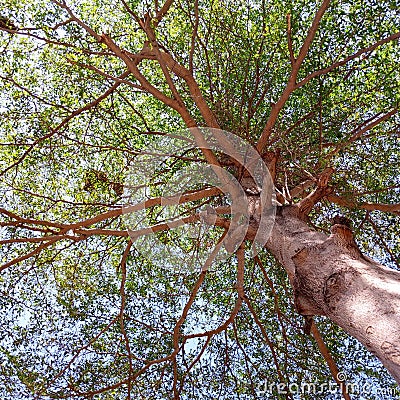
[(87, 28), (295, 125), (194, 35), (171, 200), (26, 32), (311, 33), (357, 133), (306, 205), (253, 108), (266, 338), (164, 9), (179, 70), (240, 272), (329, 360), (102, 73), (221, 327), (195, 361), (247, 358), (132, 66), (279, 313), (347, 59), (78, 352), (35, 240), (291, 84), (382, 239), (182, 319), (168, 78), (386, 189), (289, 38), (130, 11), (209, 334), (66, 121), (392, 208), (29, 255), (175, 381), (192, 85), (301, 188), (180, 199), (41, 99), (133, 378), (176, 103), (238, 304), (163, 226), (30, 220), (85, 233), (121, 313), (63, 23)]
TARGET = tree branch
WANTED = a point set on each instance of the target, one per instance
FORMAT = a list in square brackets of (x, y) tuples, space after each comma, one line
[(52, 132), (357, 133), (329, 359), (306, 205), (164, 9), (291, 84), (392, 208), (347, 59), (289, 38), (121, 313)]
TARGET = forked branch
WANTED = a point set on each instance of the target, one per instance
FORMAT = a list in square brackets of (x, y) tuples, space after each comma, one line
[(291, 84)]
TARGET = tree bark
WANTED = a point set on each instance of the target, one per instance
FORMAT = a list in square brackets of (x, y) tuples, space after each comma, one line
[(330, 276)]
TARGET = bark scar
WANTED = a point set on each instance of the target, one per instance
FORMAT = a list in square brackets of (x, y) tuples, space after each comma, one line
[(333, 286), (303, 294), (391, 352), (342, 236)]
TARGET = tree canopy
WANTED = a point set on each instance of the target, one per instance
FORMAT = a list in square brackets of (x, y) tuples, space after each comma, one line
[(90, 89)]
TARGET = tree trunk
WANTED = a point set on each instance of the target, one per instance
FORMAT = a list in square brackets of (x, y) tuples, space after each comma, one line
[(331, 277)]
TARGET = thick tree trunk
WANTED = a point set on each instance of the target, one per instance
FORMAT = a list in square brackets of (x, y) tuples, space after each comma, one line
[(331, 277)]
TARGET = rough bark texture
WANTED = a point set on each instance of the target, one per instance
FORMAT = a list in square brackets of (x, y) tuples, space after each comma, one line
[(331, 277)]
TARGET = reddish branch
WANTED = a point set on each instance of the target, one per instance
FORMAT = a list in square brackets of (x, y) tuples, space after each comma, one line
[(65, 122), (28, 255), (342, 201), (170, 66), (78, 352), (329, 360), (121, 314), (289, 38), (347, 59), (306, 205), (238, 304), (164, 9), (279, 313), (291, 84), (266, 338), (175, 103), (79, 231), (359, 131), (177, 329)]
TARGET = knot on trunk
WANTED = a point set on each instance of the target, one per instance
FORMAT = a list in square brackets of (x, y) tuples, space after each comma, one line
[(338, 285), (334, 285), (342, 236)]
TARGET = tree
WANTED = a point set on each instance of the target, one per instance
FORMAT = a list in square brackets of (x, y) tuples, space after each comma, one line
[(95, 96)]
